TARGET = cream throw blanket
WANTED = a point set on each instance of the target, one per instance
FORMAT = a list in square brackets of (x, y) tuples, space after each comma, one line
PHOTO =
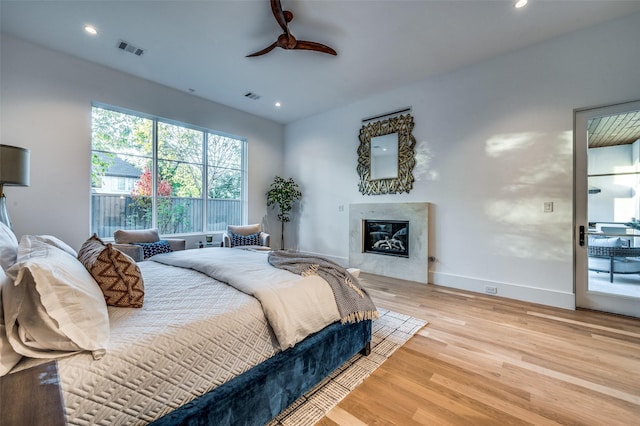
[(295, 306), (353, 302)]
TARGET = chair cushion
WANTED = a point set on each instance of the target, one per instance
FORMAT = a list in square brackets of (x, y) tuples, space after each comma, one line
[(150, 249), (244, 230), (606, 242), (621, 265), (242, 240), (136, 236), (117, 274)]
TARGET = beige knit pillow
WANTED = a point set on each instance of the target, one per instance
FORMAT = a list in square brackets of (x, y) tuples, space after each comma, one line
[(244, 230), (116, 273)]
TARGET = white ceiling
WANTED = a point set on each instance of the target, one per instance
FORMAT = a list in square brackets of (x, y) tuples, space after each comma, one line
[(201, 45)]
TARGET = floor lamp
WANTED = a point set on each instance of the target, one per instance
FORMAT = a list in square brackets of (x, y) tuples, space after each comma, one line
[(14, 171)]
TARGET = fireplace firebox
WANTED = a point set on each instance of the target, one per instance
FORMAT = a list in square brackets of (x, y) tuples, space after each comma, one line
[(388, 237)]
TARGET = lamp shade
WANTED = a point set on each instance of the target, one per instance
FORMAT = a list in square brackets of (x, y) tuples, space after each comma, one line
[(14, 166)]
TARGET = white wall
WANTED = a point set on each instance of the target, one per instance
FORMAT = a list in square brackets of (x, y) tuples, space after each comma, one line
[(494, 141), (45, 106)]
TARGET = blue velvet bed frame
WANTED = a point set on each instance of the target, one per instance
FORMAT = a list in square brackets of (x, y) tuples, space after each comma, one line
[(258, 395)]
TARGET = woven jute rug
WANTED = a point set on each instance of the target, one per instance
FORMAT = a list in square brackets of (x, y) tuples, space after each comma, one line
[(390, 331)]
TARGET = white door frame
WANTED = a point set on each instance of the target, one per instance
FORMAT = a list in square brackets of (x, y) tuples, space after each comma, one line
[(585, 298)]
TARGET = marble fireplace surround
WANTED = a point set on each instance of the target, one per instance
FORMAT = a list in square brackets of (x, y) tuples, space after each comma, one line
[(413, 268)]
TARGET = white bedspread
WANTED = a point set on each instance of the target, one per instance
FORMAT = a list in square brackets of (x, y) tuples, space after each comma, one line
[(191, 335), (295, 306)]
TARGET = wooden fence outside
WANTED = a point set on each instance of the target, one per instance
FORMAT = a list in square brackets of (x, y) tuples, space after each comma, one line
[(110, 212)]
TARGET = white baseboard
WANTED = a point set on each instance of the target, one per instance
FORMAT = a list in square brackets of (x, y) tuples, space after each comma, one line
[(542, 296)]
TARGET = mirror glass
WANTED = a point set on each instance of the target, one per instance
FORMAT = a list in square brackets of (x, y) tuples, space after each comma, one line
[(384, 156)]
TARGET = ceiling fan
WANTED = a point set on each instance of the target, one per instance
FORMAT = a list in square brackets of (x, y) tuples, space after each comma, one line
[(286, 40)]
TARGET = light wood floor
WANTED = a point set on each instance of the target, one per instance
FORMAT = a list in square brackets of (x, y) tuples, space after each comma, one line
[(485, 360)]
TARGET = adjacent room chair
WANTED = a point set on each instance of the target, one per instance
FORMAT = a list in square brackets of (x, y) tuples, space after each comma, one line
[(245, 235), (140, 244), (612, 256)]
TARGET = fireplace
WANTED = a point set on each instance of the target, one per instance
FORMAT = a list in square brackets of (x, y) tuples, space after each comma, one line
[(388, 237), (414, 268)]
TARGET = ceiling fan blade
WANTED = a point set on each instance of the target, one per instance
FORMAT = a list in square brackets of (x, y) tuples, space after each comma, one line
[(312, 45), (263, 51), (286, 40), (276, 8)]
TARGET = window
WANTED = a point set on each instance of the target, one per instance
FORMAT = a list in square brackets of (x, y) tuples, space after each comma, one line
[(147, 172), (121, 184)]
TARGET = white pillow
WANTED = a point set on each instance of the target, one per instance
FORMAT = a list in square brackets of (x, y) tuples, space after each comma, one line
[(56, 305), (56, 242), (8, 247), (8, 356), (606, 242)]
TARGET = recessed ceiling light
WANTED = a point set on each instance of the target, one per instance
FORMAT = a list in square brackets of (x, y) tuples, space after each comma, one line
[(278, 104), (520, 4), (90, 29)]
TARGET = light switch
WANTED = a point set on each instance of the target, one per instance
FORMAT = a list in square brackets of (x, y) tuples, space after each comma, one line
[(548, 206)]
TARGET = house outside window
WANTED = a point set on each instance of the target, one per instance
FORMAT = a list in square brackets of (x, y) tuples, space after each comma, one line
[(149, 172)]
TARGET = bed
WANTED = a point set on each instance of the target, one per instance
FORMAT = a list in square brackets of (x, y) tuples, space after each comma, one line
[(198, 350)]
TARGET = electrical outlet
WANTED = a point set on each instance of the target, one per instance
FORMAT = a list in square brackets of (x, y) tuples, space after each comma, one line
[(489, 289)]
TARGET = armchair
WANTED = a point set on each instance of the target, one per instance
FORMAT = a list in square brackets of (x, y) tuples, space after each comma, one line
[(125, 241), (245, 235), (612, 256)]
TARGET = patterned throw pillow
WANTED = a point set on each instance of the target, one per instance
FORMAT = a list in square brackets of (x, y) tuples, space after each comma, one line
[(117, 274), (149, 249), (242, 240)]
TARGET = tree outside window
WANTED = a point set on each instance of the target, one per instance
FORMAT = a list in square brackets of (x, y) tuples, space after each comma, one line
[(123, 146)]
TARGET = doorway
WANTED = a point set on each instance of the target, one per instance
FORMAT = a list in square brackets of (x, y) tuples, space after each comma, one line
[(607, 212)]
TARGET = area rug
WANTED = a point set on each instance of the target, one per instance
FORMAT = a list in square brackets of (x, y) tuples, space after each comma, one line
[(389, 332)]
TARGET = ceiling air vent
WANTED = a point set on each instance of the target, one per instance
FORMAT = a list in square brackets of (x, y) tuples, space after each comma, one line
[(252, 95), (128, 47)]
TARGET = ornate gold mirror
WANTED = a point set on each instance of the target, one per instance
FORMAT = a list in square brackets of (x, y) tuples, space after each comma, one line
[(386, 156)]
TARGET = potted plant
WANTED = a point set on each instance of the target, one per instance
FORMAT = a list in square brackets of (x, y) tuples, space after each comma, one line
[(634, 224), (282, 194)]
